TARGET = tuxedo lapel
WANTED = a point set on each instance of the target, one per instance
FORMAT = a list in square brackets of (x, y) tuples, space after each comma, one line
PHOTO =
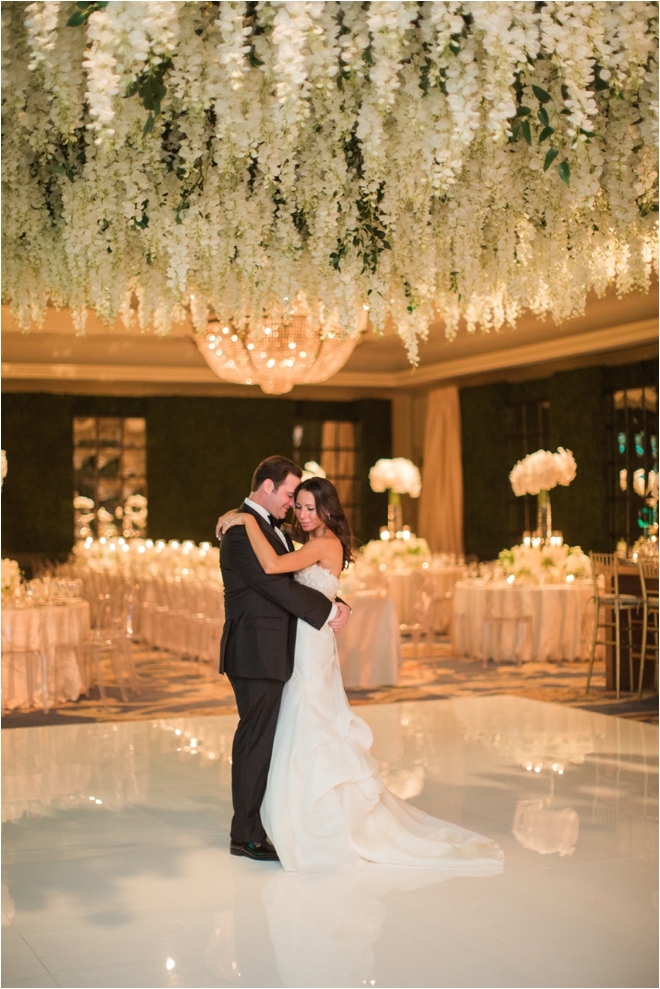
[(267, 529)]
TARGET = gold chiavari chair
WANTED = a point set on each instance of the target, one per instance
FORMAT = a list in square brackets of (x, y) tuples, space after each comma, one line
[(605, 575), (648, 570)]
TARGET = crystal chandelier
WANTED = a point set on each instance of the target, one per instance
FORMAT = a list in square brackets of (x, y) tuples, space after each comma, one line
[(279, 350)]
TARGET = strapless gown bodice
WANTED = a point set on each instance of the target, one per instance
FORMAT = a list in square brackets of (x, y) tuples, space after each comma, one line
[(320, 579)]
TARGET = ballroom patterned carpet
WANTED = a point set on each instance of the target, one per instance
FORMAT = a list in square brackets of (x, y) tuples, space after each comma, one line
[(172, 688)]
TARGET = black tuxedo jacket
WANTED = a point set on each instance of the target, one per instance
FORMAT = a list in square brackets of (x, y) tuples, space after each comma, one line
[(261, 610)]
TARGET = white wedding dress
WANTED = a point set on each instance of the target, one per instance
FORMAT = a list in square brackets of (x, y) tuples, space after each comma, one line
[(326, 808)]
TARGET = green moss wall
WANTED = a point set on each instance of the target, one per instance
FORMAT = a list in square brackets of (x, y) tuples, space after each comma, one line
[(579, 419), (485, 468), (201, 453), (36, 494)]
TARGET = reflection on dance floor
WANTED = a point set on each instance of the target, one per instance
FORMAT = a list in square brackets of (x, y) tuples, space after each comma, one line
[(117, 870)]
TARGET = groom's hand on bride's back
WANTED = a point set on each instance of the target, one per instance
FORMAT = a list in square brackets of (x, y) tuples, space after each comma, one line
[(342, 616)]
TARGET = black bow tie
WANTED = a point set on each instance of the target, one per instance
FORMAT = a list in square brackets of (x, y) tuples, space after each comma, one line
[(276, 523)]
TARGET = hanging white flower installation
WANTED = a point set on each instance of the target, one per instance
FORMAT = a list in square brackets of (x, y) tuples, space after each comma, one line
[(454, 159)]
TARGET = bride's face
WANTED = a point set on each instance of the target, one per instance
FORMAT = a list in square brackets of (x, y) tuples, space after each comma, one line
[(306, 512)]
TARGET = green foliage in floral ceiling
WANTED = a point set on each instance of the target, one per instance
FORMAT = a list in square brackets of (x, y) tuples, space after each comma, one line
[(460, 159)]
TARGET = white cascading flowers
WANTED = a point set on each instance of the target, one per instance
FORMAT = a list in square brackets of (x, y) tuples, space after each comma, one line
[(542, 471), (445, 159)]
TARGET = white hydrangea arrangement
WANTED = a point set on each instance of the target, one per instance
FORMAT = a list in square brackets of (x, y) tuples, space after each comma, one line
[(545, 564), (395, 554), (312, 469), (542, 471), (398, 475), (418, 160), (11, 577)]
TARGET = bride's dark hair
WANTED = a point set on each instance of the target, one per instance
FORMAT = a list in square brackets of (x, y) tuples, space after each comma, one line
[(329, 510)]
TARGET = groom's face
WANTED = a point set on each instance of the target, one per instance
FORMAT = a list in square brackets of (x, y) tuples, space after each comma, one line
[(280, 500)]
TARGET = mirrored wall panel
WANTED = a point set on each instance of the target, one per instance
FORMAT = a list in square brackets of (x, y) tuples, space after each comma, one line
[(110, 476)]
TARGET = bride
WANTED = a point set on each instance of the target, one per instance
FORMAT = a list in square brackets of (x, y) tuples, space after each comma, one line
[(326, 807)]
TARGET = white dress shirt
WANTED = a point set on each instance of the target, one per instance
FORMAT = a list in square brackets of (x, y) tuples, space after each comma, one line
[(266, 515), (260, 510)]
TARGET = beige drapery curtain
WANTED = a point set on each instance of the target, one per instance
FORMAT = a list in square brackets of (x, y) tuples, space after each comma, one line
[(441, 500)]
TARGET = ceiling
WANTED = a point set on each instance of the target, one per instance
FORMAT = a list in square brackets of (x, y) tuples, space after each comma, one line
[(117, 361)]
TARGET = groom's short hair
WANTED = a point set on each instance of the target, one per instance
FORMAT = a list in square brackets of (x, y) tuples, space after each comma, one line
[(277, 469)]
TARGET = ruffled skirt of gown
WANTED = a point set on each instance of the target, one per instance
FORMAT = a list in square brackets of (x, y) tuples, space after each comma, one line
[(326, 808)]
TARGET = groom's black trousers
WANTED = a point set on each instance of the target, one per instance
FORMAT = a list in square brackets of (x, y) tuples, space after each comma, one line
[(258, 703)]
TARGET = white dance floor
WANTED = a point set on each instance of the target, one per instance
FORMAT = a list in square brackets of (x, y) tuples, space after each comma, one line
[(117, 870)]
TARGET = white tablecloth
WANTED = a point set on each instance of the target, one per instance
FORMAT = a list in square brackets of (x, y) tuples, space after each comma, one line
[(561, 620), (405, 587), (446, 577), (44, 630), (369, 644)]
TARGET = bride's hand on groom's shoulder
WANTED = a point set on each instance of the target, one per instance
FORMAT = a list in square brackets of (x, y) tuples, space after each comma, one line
[(232, 517)]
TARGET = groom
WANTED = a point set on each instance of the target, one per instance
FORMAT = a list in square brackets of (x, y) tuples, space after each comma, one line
[(258, 644)]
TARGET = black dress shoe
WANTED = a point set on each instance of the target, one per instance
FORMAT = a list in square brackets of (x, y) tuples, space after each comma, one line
[(262, 851)]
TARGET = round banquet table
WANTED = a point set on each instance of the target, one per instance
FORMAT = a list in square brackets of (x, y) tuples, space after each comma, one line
[(405, 585), (369, 645), (561, 616), (40, 635), (445, 576)]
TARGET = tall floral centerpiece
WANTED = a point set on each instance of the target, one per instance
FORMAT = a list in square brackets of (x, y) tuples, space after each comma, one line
[(536, 475), (312, 469), (398, 476)]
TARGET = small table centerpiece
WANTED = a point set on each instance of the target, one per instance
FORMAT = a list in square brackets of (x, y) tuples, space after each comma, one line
[(11, 580), (546, 564), (403, 552)]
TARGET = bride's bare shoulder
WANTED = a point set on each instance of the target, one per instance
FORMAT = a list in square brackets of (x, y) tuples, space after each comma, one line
[(332, 544), (330, 539)]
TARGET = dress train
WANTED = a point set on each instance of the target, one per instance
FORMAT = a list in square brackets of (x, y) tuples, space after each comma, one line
[(326, 807)]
